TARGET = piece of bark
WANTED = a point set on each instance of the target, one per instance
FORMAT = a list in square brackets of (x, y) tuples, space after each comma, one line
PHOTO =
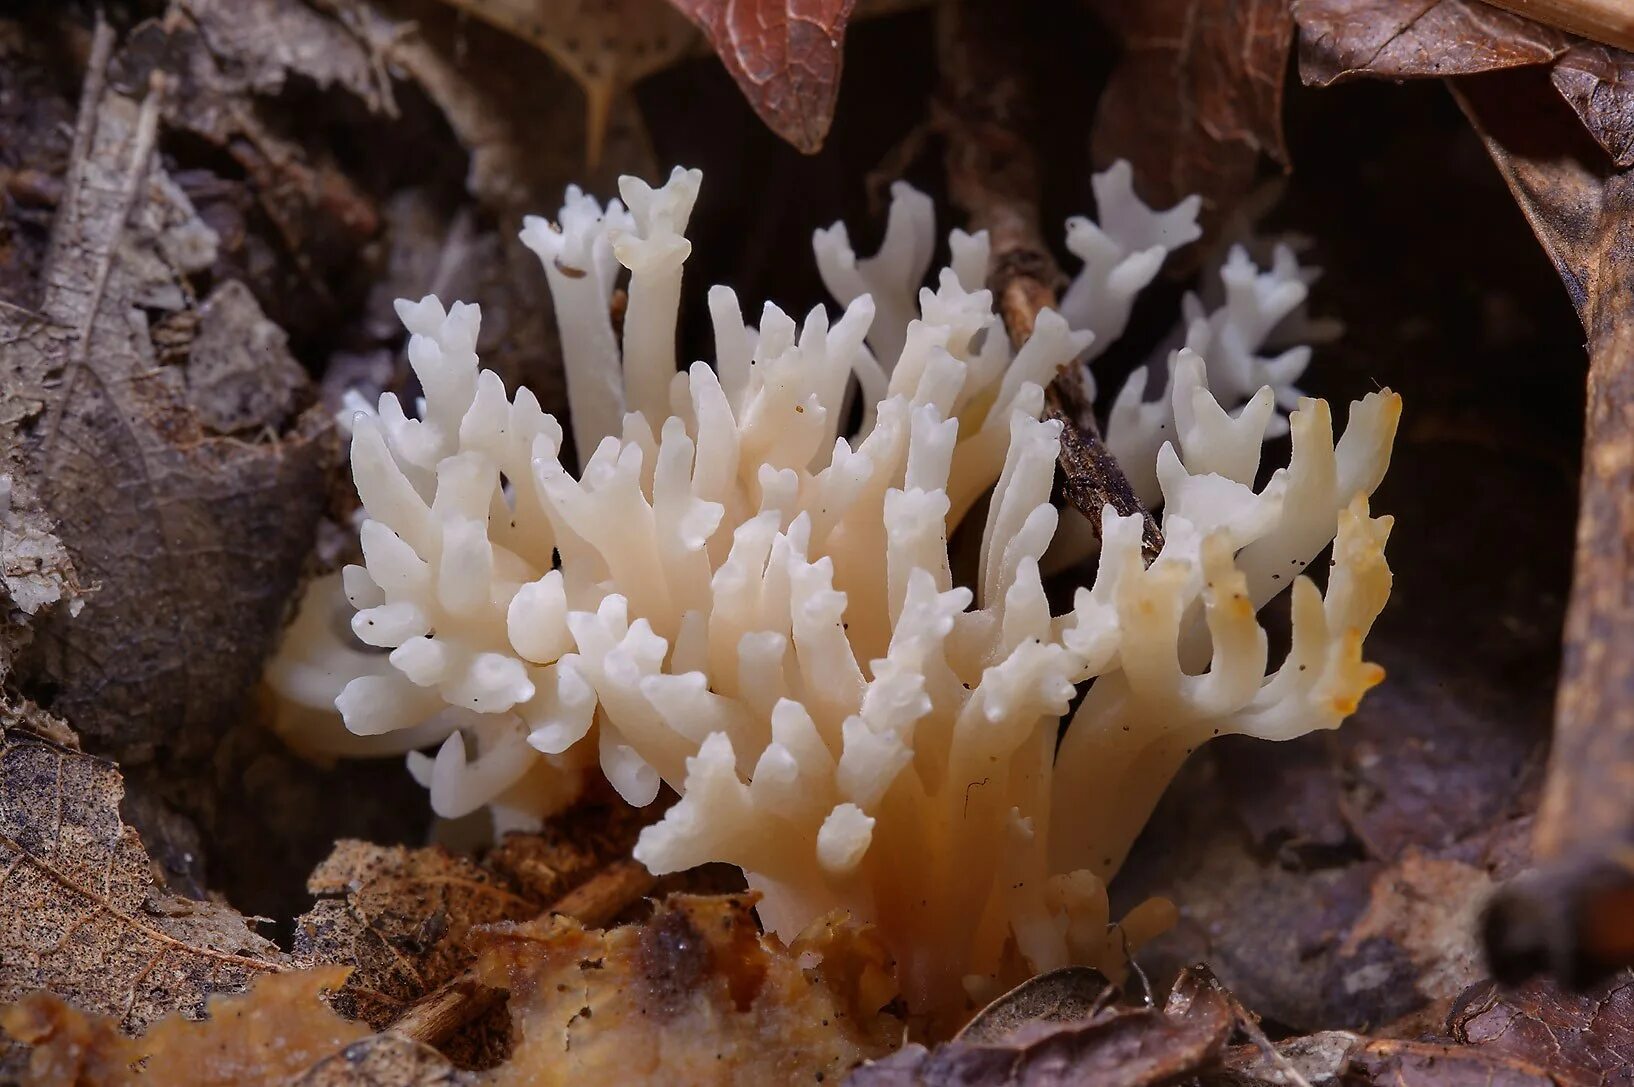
[(1573, 915), (985, 115), (194, 537)]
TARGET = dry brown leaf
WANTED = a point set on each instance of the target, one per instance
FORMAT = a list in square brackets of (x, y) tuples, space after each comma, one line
[(194, 537), (1066, 995), (1580, 1038), (1341, 40), (1598, 83), (1110, 1047), (223, 60), (1196, 97), (786, 56), (83, 916), (607, 46), (695, 995), (1573, 916)]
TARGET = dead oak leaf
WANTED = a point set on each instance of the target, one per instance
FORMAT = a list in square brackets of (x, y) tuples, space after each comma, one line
[(1598, 82), (83, 917), (1196, 97), (1341, 40), (1580, 1038), (1106, 1046), (786, 56)]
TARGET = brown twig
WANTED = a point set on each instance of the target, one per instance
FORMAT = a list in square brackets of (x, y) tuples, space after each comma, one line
[(595, 902), (984, 117)]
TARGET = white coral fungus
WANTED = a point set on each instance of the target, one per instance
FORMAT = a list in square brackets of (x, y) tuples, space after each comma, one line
[(739, 599)]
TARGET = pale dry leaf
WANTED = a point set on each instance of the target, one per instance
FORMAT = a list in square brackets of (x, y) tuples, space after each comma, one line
[(83, 917)]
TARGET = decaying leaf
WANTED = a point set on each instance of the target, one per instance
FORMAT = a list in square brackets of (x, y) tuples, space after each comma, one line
[(404, 918), (1110, 1047), (1573, 916), (1598, 82), (401, 916), (257, 1039), (694, 995), (194, 537), (1196, 97), (1067, 995), (1341, 40), (1580, 1038), (83, 917), (786, 56), (607, 46)]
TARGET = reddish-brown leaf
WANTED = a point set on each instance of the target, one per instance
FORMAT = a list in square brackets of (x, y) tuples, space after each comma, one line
[(1580, 1038), (1103, 1047), (785, 55), (1404, 39), (1598, 82), (1197, 96)]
